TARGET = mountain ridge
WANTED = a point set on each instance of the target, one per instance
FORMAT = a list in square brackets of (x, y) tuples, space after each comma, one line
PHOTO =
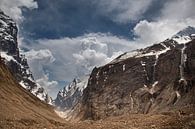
[(16, 61), (155, 50), (135, 82)]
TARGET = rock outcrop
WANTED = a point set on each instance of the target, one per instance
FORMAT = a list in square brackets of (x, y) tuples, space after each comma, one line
[(17, 62), (156, 79)]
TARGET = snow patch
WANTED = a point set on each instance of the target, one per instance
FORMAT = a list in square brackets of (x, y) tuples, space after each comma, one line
[(154, 53), (155, 83), (182, 65), (131, 101), (182, 39), (129, 55), (22, 84), (143, 63), (177, 94), (97, 75), (3, 23), (7, 57), (124, 67), (125, 56)]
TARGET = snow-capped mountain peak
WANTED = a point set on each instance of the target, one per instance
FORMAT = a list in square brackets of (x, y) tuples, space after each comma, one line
[(186, 31), (184, 35), (71, 94)]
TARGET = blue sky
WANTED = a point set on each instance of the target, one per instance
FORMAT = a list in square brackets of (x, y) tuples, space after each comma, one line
[(71, 19), (63, 39), (65, 18)]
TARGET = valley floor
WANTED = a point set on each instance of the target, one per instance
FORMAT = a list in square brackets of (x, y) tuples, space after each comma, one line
[(166, 120)]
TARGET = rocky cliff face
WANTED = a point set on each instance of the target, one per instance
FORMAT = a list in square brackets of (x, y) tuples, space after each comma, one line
[(71, 94), (155, 79), (14, 60)]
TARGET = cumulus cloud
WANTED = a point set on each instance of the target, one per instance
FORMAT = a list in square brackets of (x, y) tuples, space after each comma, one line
[(175, 15), (38, 60), (178, 9), (13, 7), (76, 56), (123, 11), (92, 53), (154, 32), (49, 85), (56, 60)]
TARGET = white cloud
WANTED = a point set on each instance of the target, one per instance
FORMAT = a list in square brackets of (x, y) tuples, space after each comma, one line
[(50, 86), (13, 7), (123, 10), (76, 56), (178, 10), (154, 32), (57, 60), (92, 53), (175, 16), (38, 60)]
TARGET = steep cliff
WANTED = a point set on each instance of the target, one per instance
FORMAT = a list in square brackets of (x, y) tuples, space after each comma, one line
[(17, 62), (156, 79)]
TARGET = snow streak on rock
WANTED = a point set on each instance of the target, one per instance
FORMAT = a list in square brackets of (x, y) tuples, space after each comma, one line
[(182, 65), (151, 89)]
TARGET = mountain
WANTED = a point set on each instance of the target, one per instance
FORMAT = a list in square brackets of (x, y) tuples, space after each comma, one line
[(156, 79), (145, 89), (188, 31), (86, 57), (19, 109), (185, 35), (17, 62), (70, 95)]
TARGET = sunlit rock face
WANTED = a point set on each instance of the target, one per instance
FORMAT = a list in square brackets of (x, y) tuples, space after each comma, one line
[(17, 62), (155, 79)]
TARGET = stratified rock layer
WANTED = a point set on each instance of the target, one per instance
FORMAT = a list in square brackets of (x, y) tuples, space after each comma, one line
[(151, 80)]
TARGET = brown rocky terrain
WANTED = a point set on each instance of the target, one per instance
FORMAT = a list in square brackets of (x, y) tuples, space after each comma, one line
[(146, 83), (20, 109)]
